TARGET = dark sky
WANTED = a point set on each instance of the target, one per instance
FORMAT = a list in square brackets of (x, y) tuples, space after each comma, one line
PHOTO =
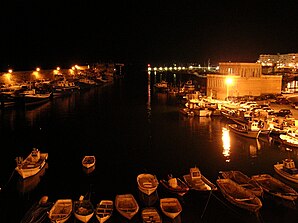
[(48, 33)]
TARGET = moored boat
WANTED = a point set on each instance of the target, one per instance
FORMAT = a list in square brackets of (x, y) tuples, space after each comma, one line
[(287, 170), (171, 207), (196, 181), (175, 185), (151, 215), (250, 131), (38, 212), (243, 180), (104, 210), (32, 164), (61, 211), (88, 161), (126, 205), (275, 187), (238, 195), (83, 209), (147, 183)]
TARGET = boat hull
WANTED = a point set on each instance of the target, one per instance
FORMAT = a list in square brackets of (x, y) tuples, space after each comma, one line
[(31, 171), (104, 210), (275, 187), (56, 215), (170, 207), (238, 195), (147, 183), (126, 205), (248, 134)]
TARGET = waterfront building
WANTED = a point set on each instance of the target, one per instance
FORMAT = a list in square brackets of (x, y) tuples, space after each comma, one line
[(289, 60), (241, 79)]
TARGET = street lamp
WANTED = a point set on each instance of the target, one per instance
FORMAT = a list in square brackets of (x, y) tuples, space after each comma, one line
[(229, 81)]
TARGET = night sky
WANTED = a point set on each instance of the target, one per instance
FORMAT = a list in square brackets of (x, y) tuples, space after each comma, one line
[(48, 33)]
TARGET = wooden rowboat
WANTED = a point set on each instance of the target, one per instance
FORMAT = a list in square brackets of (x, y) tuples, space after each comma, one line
[(147, 183), (61, 211), (88, 161), (238, 195), (244, 181), (83, 209), (104, 210), (151, 215), (126, 205), (171, 207), (275, 187)]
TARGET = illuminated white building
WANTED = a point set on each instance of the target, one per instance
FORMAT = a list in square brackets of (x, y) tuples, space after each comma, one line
[(240, 79), (289, 60)]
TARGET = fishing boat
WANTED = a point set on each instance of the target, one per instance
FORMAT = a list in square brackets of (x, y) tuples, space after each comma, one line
[(126, 205), (104, 210), (238, 195), (147, 183), (243, 180), (275, 187), (171, 207), (175, 185), (151, 215), (38, 212), (61, 211), (83, 209), (32, 164), (196, 181), (251, 131), (287, 170), (88, 161)]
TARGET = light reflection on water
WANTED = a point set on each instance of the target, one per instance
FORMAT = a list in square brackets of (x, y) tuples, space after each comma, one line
[(226, 142)]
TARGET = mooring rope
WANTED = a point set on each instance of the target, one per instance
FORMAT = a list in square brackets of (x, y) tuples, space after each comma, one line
[(206, 204)]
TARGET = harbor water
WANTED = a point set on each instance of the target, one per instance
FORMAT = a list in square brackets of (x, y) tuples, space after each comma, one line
[(131, 129)]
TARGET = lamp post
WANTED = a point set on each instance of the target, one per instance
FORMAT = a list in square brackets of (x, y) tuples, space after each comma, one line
[(229, 81)]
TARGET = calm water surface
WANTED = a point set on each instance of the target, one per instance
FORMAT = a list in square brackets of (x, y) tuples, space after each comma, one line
[(130, 129)]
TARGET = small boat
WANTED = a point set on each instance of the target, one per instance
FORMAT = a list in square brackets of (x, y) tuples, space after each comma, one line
[(151, 215), (147, 183), (238, 195), (275, 187), (171, 207), (88, 161), (251, 131), (175, 185), (196, 181), (244, 181), (126, 205), (83, 209), (104, 210), (38, 212), (287, 170), (61, 211), (32, 164)]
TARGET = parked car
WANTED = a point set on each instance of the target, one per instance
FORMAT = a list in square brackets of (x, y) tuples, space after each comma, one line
[(283, 112)]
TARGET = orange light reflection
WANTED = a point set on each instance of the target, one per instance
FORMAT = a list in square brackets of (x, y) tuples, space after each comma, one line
[(226, 144)]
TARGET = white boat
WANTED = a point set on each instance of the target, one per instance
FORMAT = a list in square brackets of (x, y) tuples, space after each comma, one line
[(151, 215), (238, 195), (104, 210), (251, 130), (287, 170), (171, 207), (126, 205), (32, 164), (196, 181), (83, 209), (88, 161), (275, 187), (162, 84), (61, 211), (147, 183)]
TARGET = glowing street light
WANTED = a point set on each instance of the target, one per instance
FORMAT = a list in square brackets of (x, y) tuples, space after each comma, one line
[(229, 81)]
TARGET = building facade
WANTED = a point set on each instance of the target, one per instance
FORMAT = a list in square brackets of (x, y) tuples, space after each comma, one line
[(242, 79)]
